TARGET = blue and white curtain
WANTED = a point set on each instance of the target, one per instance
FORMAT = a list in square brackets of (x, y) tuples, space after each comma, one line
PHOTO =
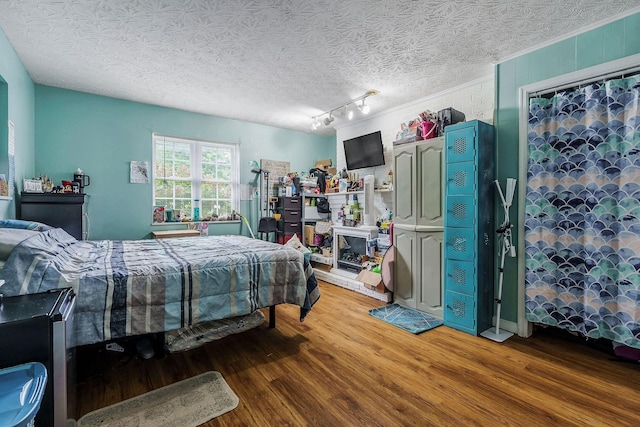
[(582, 228)]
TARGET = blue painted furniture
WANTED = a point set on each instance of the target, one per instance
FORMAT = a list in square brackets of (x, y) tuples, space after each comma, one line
[(469, 229)]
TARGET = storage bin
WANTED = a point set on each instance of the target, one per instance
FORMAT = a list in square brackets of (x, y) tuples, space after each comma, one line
[(21, 391)]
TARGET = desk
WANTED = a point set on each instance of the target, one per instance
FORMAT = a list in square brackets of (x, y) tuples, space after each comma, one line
[(167, 234)]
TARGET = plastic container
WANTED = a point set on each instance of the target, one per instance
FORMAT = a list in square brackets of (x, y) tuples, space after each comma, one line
[(21, 391), (196, 210)]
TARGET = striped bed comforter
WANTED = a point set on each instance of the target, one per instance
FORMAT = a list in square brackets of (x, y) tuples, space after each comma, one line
[(144, 286)]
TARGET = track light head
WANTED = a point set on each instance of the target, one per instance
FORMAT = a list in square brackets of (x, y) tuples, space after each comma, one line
[(328, 120), (364, 108), (349, 112)]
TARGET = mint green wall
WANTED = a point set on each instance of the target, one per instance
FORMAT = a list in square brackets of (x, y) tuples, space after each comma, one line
[(16, 104), (607, 43), (102, 135)]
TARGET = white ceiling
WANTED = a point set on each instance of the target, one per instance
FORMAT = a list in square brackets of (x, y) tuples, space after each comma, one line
[(279, 62)]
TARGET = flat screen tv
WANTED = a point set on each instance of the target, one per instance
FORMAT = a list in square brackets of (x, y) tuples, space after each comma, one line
[(364, 151)]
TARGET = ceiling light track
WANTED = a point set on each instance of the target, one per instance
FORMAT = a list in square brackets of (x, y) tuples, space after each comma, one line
[(347, 109)]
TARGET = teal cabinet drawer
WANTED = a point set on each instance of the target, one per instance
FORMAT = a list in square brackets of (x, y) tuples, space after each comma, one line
[(460, 179), (460, 276), (460, 145), (460, 243), (460, 211), (460, 312)]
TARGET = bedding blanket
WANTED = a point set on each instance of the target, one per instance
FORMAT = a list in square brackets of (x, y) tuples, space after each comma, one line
[(144, 286)]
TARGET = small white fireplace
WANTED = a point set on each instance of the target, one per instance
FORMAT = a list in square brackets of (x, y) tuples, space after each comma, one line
[(349, 245)]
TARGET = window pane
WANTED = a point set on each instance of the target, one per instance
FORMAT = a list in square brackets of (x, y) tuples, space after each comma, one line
[(163, 189), (225, 208), (224, 191), (163, 202), (160, 166), (182, 189), (208, 190), (184, 207), (208, 171), (208, 154), (208, 207), (182, 169), (224, 172), (182, 151), (212, 154)]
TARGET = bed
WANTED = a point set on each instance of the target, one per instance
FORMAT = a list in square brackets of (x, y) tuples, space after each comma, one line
[(136, 287)]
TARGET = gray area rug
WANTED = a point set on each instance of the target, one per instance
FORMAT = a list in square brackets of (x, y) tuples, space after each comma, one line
[(187, 403), (406, 318)]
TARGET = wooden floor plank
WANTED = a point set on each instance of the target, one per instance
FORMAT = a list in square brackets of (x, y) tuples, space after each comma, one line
[(343, 367)]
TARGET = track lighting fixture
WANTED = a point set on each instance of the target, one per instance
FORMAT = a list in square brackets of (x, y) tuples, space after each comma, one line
[(346, 109)]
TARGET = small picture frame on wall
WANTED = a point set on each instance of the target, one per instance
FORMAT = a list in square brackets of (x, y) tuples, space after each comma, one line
[(4, 188), (139, 172)]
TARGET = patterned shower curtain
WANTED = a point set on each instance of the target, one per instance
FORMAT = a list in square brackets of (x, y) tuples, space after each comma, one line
[(582, 228)]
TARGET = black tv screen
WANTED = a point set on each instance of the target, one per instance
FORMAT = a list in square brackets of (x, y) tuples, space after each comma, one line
[(364, 151)]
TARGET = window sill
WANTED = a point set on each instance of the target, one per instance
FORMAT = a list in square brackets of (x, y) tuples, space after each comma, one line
[(162, 224)]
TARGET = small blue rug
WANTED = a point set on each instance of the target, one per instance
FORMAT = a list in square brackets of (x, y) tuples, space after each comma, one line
[(405, 318)]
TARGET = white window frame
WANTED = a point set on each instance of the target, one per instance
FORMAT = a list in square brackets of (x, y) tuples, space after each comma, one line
[(196, 146)]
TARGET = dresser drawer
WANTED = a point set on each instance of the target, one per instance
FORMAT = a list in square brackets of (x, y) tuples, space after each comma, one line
[(293, 227), (291, 203), (292, 215)]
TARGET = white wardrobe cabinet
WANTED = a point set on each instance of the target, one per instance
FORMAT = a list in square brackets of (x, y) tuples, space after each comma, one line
[(419, 225)]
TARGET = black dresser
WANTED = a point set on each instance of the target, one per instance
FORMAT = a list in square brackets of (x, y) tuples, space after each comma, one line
[(291, 221), (66, 211)]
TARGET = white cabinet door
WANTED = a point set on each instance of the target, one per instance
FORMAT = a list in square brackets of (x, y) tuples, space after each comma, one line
[(429, 187), (404, 267), (429, 285)]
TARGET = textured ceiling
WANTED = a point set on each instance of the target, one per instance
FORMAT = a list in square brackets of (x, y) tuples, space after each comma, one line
[(279, 62)]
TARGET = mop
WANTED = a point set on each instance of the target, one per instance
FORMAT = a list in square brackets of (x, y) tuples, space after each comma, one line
[(496, 334)]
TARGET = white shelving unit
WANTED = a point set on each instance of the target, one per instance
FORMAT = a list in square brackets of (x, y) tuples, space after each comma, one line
[(310, 213), (336, 276)]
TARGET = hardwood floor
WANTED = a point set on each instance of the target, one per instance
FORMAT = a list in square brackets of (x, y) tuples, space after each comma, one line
[(342, 367)]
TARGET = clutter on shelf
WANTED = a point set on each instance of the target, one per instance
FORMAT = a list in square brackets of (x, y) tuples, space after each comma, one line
[(428, 125)]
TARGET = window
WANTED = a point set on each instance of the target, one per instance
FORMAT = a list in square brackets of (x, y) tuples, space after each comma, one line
[(186, 170)]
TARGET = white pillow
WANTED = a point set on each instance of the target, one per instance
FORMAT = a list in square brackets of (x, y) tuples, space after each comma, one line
[(10, 237)]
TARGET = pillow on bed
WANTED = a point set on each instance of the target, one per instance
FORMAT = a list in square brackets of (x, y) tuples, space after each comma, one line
[(25, 225), (10, 237)]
